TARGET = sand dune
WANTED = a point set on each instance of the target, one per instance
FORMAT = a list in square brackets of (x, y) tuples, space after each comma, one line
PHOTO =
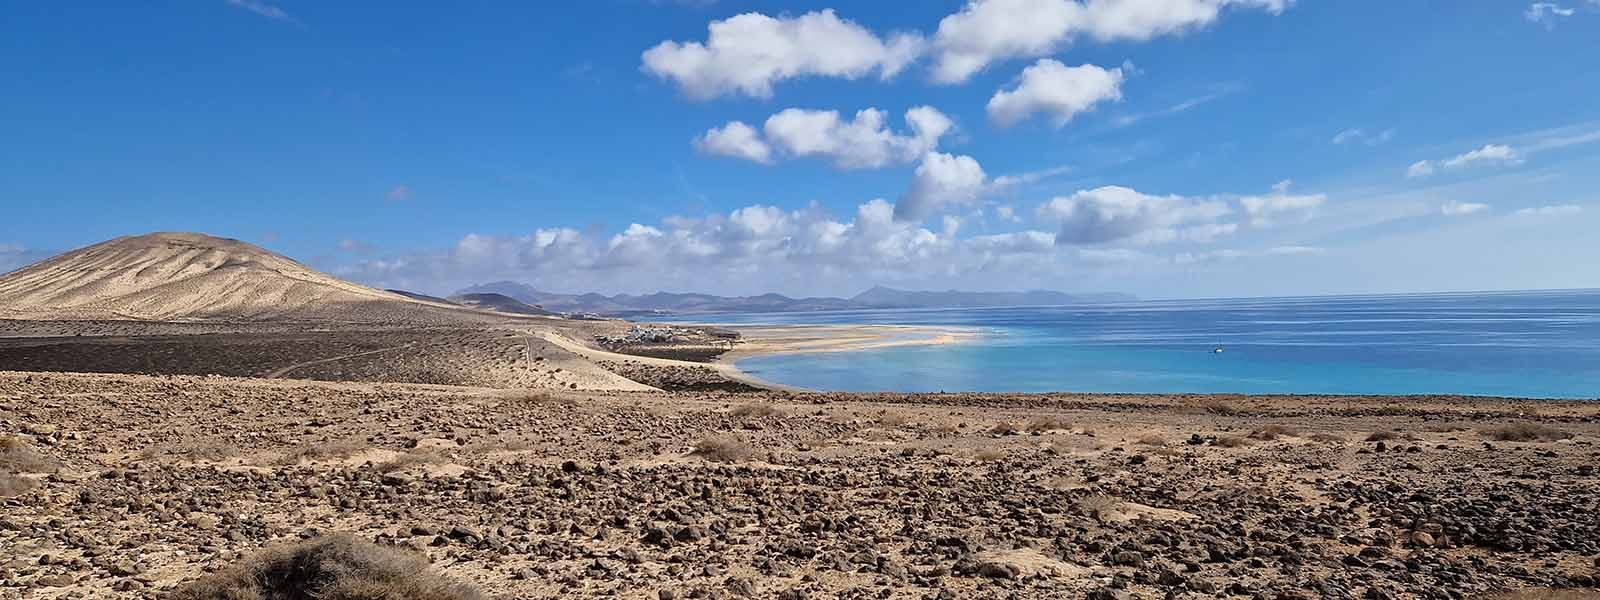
[(181, 276)]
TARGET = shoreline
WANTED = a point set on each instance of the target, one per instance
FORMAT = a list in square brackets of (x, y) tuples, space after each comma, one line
[(762, 340), (771, 340)]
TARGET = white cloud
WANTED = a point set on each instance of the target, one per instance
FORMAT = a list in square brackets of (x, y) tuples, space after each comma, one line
[(1280, 206), (1179, 108), (1353, 136), (356, 246), (941, 180), (1546, 13), (1208, 256), (763, 247), (748, 53), (864, 141), (737, 140), (1057, 90), (1116, 213), (264, 9), (1007, 213), (1009, 181), (1490, 154), (1294, 250), (986, 31), (1555, 209), (16, 256), (1453, 208)]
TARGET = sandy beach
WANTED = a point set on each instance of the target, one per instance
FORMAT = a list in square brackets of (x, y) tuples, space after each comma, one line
[(797, 339)]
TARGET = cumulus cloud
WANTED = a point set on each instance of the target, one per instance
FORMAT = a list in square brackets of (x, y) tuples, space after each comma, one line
[(1555, 209), (736, 139), (762, 246), (1546, 13), (748, 53), (941, 180), (1362, 136), (1280, 206), (1115, 213), (1056, 90), (1489, 155), (1007, 213), (864, 141), (986, 31), (1456, 209)]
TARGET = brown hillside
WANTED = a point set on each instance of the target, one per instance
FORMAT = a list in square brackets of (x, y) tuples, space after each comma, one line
[(192, 276)]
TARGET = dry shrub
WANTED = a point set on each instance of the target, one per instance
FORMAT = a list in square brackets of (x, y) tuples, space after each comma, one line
[(724, 449), (1217, 406), (414, 457), (512, 445), (332, 567), (945, 428), (894, 420), (1231, 441), (754, 409), (17, 457), (989, 455), (1273, 432), (876, 435), (1099, 506), (322, 451), (1047, 423), (1388, 436), (1524, 432), (1004, 429), (1327, 438), (14, 485)]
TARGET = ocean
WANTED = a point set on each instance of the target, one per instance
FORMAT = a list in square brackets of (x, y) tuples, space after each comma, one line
[(1542, 344)]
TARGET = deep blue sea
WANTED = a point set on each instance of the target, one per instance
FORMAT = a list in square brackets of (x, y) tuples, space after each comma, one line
[(1542, 344)]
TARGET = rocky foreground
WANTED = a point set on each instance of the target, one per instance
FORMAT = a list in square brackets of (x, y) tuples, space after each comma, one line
[(128, 486)]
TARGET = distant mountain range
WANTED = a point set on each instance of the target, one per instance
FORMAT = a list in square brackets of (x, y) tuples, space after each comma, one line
[(877, 297)]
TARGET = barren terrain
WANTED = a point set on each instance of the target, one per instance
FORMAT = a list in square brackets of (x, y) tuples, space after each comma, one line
[(133, 484)]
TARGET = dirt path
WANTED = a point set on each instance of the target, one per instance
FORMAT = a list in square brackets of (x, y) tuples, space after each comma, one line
[(284, 371)]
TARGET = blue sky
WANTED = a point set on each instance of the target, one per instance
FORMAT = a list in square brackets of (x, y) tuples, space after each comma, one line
[(1172, 148)]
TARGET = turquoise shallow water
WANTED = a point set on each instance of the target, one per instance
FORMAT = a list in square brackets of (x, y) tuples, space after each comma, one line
[(1525, 344)]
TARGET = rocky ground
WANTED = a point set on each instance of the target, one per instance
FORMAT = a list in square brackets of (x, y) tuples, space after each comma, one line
[(126, 486)]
